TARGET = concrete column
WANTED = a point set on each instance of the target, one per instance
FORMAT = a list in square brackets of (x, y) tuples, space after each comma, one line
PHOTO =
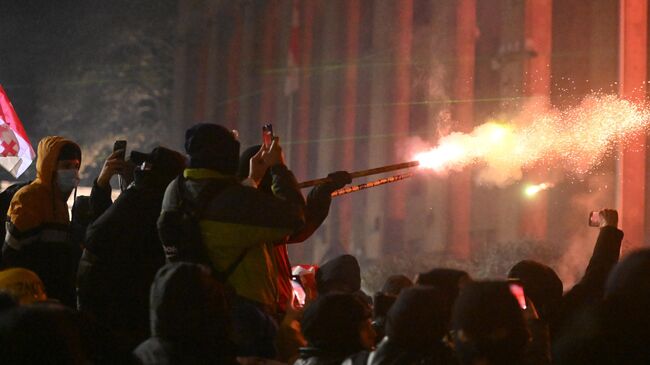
[(632, 76), (460, 184)]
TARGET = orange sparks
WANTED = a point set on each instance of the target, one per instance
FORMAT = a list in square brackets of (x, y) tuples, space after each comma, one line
[(574, 140)]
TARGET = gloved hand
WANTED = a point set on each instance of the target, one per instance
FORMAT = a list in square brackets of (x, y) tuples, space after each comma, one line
[(339, 180)]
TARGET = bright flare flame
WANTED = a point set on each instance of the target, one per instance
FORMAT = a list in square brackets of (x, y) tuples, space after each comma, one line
[(575, 139), (532, 190)]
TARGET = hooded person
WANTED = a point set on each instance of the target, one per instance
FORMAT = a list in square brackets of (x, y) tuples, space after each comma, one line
[(489, 326), (122, 246), (41, 334), (617, 329), (341, 274), (235, 224), (383, 300), (316, 210), (38, 224), (626, 315), (589, 291), (190, 321), (336, 326), (448, 282), (415, 328), (541, 285), (50, 333)]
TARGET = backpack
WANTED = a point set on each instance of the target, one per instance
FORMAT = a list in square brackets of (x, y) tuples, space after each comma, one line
[(192, 249)]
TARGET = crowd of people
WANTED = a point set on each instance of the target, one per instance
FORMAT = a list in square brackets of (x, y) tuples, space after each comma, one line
[(189, 265)]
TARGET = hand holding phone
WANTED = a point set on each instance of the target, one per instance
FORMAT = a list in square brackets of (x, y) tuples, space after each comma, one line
[(298, 292), (604, 218)]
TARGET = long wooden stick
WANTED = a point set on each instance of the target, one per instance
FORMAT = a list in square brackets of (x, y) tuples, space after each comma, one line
[(375, 171), (371, 184)]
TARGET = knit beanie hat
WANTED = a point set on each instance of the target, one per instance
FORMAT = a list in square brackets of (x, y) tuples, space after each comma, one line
[(212, 146)]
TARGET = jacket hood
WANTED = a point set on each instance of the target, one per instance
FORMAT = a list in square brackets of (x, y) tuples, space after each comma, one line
[(627, 297), (417, 319), (48, 155), (331, 323), (447, 282), (187, 304), (491, 322), (341, 274), (541, 284)]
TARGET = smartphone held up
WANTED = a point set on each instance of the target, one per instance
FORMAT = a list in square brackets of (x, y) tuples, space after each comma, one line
[(120, 145), (267, 134), (594, 219)]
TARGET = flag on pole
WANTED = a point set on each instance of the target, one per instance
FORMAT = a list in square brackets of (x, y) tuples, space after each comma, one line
[(16, 152), (291, 81)]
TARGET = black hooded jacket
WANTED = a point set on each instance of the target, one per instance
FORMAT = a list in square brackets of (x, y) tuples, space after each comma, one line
[(123, 253), (415, 327), (189, 319), (590, 289), (331, 326)]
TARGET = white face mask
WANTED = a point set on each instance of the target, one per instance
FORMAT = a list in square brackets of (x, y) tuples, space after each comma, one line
[(67, 179)]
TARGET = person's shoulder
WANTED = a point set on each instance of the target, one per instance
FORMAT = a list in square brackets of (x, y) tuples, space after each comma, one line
[(31, 195)]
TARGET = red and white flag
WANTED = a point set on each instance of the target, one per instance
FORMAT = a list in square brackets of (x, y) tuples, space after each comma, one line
[(16, 152), (291, 80)]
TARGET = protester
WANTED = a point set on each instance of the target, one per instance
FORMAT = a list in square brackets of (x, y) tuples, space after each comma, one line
[(336, 326), (448, 282), (627, 299), (415, 328), (236, 223), (190, 323), (122, 250), (489, 326), (316, 210), (383, 300), (342, 274), (590, 289), (616, 330), (542, 286), (38, 235), (41, 334)]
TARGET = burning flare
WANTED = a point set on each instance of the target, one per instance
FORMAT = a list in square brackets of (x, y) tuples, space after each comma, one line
[(532, 190), (575, 139)]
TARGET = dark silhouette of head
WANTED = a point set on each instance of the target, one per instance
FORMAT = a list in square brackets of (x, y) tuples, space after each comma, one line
[(212, 146), (488, 325)]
